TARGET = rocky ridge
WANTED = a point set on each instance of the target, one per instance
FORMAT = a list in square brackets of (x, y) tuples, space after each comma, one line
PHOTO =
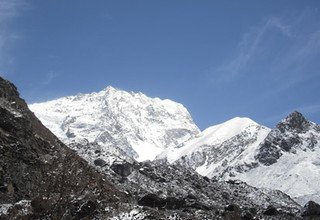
[(39, 176), (289, 159)]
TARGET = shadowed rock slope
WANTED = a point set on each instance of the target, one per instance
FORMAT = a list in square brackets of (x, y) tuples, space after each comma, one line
[(40, 176)]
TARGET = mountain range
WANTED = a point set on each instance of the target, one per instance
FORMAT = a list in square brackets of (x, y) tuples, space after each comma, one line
[(285, 158), (83, 176), (127, 125)]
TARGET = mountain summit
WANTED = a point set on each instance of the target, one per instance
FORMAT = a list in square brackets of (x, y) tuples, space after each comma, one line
[(140, 126), (289, 159), (221, 149), (294, 121)]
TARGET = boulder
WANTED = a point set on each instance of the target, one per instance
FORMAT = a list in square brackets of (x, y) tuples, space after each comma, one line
[(99, 162), (154, 201), (311, 209), (271, 211), (123, 169)]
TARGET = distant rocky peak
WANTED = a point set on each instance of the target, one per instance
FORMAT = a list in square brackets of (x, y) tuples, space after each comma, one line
[(10, 102), (10, 97), (294, 122), (293, 133), (8, 91)]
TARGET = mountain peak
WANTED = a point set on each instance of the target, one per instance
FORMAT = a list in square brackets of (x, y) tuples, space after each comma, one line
[(133, 122), (109, 89), (8, 90), (295, 115), (241, 120), (294, 121), (232, 126)]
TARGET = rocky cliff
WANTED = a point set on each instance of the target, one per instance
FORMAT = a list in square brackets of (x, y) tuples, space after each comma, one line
[(39, 175)]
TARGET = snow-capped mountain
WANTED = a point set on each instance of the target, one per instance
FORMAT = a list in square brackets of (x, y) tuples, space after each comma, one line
[(114, 125), (286, 158), (140, 126), (222, 148), (289, 159)]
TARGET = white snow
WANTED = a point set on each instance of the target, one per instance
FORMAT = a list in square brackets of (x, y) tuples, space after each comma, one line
[(215, 135), (4, 208), (113, 117), (24, 207), (295, 174), (134, 214)]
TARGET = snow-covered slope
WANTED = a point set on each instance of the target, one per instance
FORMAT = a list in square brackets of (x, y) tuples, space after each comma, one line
[(138, 125), (220, 148), (286, 158), (289, 160)]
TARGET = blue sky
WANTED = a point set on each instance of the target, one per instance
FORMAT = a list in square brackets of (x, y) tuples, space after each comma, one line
[(220, 59)]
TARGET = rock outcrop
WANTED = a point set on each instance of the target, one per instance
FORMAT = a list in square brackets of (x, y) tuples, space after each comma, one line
[(39, 175)]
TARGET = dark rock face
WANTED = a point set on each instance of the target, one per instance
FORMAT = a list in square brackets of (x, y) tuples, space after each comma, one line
[(286, 137), (151, 200), (232, 211), (38, 173), (247, 216), (295, 121), (154, 201), (269, 153), (82, 210), (271, 211), (232, 208), (311, 209)]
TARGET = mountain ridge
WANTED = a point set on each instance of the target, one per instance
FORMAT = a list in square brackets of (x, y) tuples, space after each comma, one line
[(236, 149), (150, 123)]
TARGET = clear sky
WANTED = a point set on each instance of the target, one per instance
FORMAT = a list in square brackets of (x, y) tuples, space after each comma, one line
[(220, 59)]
